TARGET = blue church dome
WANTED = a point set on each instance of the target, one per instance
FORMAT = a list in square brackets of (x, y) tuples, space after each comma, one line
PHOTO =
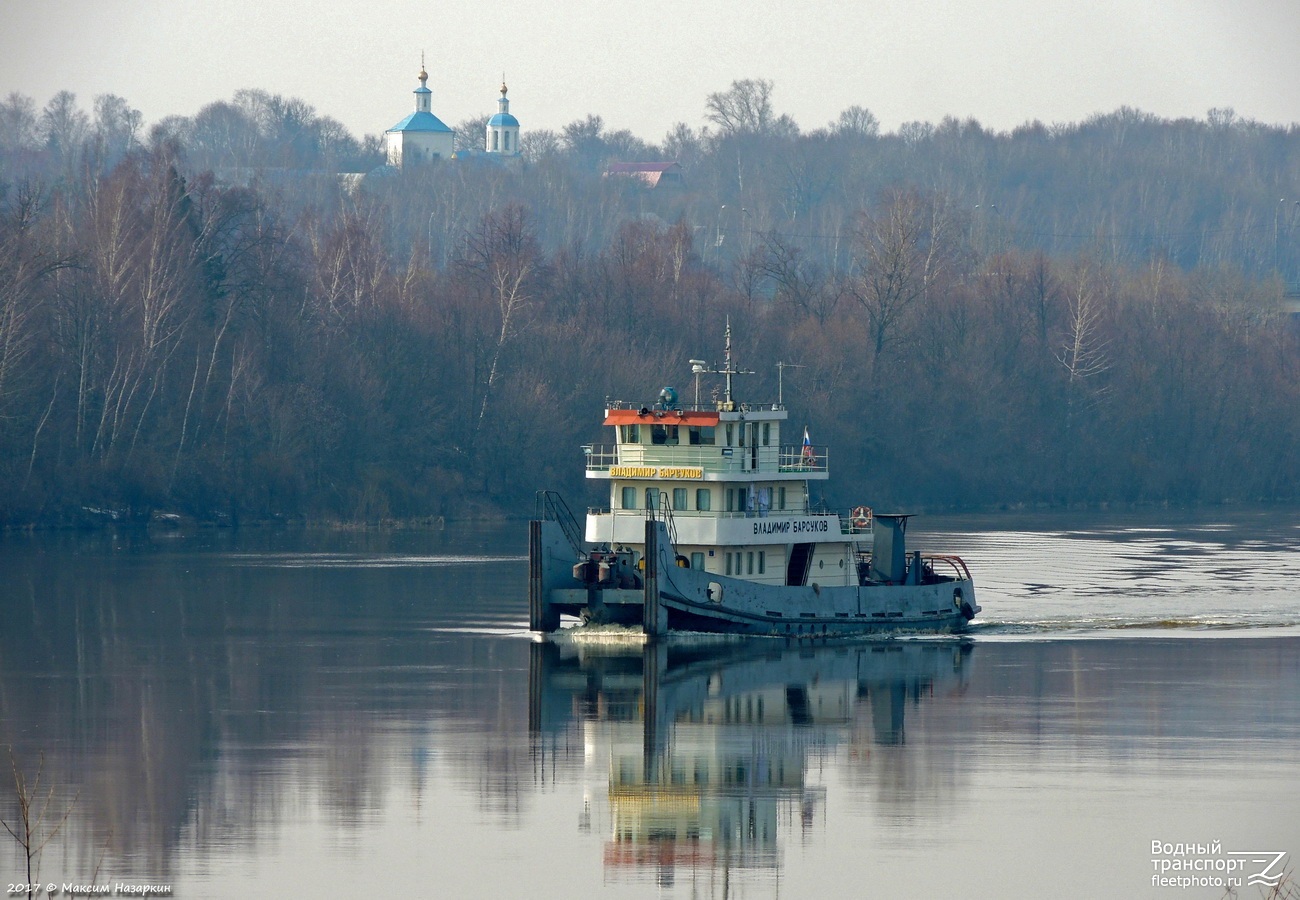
[(503, 119)]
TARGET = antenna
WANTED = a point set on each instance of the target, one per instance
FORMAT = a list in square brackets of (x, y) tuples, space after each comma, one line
[(780, 373), (700, 367)]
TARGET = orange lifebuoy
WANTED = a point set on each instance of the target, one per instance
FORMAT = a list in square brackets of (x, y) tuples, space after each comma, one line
[(861, 517)]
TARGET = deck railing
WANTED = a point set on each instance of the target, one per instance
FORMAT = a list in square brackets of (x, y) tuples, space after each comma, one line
[(847, 526), (712, 458), (551, 506)]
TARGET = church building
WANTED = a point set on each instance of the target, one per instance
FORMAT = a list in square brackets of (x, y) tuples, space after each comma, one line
[(503, 129), (423, 137)]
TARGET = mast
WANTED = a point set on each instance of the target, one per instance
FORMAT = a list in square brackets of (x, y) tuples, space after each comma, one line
[(700, 367), (727, 362), (728, 369)]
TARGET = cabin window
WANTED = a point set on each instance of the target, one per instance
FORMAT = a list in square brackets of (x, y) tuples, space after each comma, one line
[(663, 434), (742, 434), (731, 500), (679, 498), (742, 500), (651, 498), (767, 434), (762, 562), (697, 561), (703, 499), (631, 434), (728, 563), (731, 431), (702, 434), (750, 561), (629, 498), (780, 497)]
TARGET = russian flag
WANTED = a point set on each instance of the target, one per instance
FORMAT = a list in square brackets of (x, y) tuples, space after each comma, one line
[(808, 456)]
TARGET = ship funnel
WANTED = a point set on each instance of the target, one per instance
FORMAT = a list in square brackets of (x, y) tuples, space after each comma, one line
[(889, 547)]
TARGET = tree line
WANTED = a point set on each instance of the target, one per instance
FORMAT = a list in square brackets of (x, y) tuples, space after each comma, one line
[(207, 319)]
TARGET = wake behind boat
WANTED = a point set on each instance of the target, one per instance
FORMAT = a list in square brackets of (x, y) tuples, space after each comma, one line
[(710, 528)]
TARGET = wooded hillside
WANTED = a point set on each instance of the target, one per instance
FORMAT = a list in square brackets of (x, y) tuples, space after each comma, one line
[(204, 319)]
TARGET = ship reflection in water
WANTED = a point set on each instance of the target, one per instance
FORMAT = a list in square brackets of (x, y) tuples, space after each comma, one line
[(706, 752)]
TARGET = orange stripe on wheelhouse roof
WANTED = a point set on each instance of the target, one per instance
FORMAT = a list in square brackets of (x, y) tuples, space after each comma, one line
[(660, 416)]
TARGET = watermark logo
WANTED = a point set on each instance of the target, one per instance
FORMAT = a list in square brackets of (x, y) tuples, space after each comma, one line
[(1271, 875), (1192, 864)]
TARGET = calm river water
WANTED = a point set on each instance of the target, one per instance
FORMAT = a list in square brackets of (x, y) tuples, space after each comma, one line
[(288, 713)]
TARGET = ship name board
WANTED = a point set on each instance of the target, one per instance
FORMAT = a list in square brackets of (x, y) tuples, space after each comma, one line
[(788, 526), (656, 472)]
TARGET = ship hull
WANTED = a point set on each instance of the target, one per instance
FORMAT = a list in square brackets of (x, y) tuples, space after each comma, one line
[(673, 598)]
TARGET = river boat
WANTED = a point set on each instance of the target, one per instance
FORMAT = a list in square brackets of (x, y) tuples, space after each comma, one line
[(711, 528)]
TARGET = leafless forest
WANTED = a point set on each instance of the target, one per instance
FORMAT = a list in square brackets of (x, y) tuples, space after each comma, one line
[(206, 317)]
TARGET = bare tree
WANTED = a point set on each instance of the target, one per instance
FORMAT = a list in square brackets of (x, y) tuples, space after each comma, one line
[(745, 106), (683, 145), (471, 133), (857, 120), (64, 126), (117, 126), (584, 141), (888, 278), (1083, 353), (503, 257), (18, 123), (798, 281), (538, 144), (904, 248), (37, 822), (351, 265), (24, 264)]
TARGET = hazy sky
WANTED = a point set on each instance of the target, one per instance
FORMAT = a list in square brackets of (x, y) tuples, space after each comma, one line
[(645, 66)]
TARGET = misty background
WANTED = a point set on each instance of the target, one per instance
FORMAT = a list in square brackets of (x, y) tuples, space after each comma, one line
[(217, 315)]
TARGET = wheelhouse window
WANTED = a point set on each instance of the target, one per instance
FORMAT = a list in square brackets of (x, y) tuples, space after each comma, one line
[(630, 434), (700, 434), (663, 434), (767, 434)]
